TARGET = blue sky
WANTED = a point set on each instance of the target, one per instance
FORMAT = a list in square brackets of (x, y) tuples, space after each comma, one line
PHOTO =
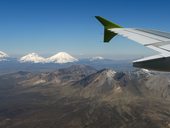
[(51, 26)]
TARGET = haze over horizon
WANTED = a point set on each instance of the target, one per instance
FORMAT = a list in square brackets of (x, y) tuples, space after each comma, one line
[(49, 27)]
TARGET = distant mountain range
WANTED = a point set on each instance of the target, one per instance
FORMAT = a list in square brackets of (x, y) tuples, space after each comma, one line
[(35, 62), (60, 58)]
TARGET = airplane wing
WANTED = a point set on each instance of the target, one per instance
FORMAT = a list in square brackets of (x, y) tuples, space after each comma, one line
[(153, 39)]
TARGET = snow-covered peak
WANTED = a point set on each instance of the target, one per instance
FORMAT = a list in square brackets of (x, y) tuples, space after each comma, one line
[(33, 58), (110, 73), (143, 72), (3, 55), (96, 58), (61, 57)]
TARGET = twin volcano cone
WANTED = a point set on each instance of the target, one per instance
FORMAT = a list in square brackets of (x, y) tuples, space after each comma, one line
[(61, 57)]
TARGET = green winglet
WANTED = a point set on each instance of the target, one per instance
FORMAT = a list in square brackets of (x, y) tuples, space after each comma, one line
[(108, 35), (107, 24)]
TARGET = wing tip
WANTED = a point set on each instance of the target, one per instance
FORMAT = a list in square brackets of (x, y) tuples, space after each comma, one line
[(106, 23)]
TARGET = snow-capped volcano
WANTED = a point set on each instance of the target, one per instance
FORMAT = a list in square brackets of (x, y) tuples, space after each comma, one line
[(61, 57), (3, 56), (33, 58)]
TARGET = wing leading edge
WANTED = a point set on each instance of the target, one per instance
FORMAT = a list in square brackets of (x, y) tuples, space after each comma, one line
[(153, 39)]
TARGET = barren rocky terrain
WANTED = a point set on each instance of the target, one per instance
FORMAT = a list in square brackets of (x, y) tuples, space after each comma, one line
[(83, 97)]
